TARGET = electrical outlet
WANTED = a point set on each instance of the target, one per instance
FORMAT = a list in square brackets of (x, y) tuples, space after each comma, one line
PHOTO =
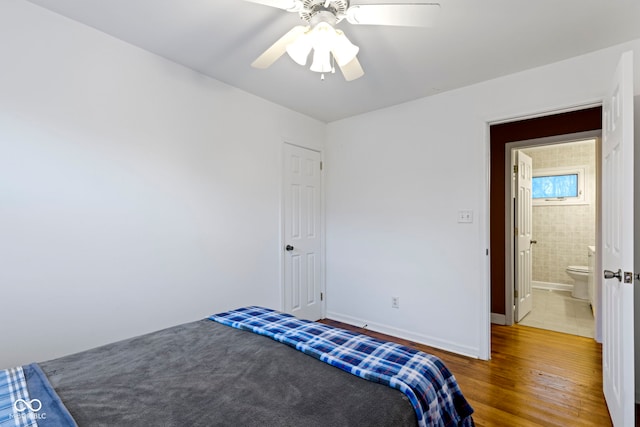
[(395, 302)]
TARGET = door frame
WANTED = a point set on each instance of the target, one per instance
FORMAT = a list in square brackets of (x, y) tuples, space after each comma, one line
[(500, 130), (509, 212), (281, 213)]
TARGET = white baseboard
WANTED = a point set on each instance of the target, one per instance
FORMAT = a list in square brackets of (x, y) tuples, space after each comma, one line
[(404, 334), (549, 286), (498, 319)]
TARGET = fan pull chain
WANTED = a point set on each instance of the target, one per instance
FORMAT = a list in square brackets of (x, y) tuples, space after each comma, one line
[(333, 68)]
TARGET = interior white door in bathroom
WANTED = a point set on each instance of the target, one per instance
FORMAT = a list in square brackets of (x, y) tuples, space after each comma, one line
[(302, 224), (617, 245), (523, 233)]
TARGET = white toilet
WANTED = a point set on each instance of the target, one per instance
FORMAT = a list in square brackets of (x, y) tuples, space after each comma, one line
[(580, 276)]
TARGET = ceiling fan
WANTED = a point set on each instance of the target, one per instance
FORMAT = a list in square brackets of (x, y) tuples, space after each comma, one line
[(330, 45)]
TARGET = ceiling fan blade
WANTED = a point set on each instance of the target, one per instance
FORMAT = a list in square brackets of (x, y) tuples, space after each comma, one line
[(353, 70), (278, 48), (290, 5), (399, 14)]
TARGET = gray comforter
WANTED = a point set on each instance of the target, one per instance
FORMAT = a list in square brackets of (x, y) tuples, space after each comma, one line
[(207, 374)]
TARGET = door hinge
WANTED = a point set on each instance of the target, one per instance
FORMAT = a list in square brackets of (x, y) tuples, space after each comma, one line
[(515, 231), (515, 169), (515, 294), (320, 165), (321, 296)]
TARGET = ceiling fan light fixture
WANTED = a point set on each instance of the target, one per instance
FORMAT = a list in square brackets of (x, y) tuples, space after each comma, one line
[(326, 40), (331, 46)]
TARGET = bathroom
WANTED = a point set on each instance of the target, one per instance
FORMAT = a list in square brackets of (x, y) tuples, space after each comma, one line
[(564, 231)]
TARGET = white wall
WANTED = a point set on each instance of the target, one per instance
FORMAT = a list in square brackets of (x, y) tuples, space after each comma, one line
[(396, 179), (135, 194)]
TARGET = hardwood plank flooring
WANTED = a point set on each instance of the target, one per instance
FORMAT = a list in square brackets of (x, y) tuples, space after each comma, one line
[(535, 377)]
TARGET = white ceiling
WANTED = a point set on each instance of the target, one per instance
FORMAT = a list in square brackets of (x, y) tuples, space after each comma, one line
[(472, 41)]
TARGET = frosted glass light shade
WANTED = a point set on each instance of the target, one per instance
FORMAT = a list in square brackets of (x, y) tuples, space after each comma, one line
[(321, 61), (299, 50), (324, 36), (343, 50)]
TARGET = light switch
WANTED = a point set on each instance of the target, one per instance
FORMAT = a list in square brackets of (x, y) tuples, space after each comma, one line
[(465, 216)]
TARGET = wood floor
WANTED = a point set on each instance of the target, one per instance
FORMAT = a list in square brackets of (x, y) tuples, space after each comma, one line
[(535, 378)]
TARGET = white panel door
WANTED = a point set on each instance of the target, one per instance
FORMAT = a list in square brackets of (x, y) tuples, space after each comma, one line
[(617, 242), (302, 233), (524, 230)]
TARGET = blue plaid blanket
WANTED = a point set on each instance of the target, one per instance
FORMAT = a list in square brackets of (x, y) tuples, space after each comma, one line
[(423, 378), (28, 400), (16, 408)]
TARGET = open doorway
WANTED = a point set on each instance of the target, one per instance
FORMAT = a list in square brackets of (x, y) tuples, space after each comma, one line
[(553, 268), (555, 128)]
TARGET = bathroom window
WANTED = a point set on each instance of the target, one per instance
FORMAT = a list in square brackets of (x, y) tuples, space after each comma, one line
[(559, 186)]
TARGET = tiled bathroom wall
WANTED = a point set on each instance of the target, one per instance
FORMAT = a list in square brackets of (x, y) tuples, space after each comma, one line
[(564, 232)]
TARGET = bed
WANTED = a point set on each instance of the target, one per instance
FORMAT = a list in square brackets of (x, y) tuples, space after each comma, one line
[(247, 367)]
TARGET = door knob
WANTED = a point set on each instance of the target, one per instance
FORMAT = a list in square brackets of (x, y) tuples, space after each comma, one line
[(608, 274), (288, 248)]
